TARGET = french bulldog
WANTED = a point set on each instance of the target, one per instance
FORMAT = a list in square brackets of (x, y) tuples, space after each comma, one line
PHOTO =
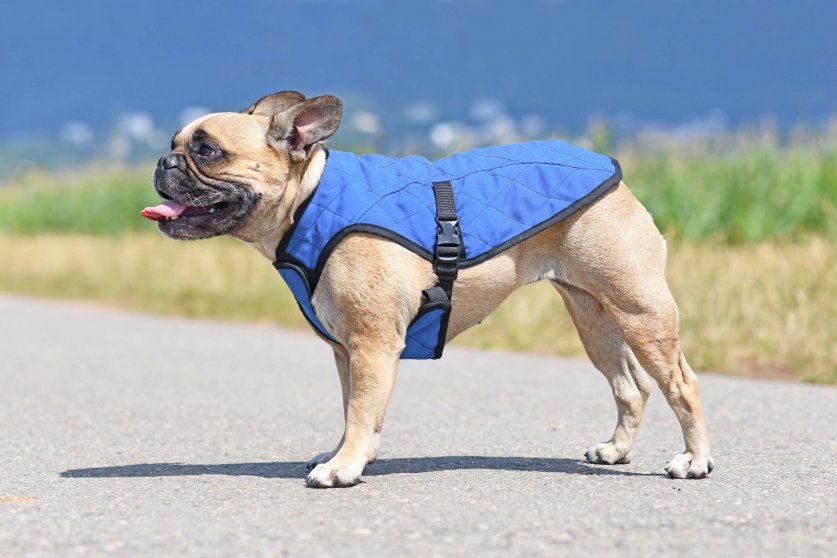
[(247, 174)]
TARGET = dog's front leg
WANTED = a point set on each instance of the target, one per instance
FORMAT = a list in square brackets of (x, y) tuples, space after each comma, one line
[(372, 372), (341, 360)]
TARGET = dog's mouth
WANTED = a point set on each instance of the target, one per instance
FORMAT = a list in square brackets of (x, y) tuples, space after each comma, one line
[(200, 219), (172, 210)]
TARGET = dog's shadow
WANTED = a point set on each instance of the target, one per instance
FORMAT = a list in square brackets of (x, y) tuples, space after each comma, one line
[(298, 469)]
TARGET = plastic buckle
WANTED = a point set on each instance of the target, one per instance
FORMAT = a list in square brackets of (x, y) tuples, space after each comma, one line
[(448, 249)]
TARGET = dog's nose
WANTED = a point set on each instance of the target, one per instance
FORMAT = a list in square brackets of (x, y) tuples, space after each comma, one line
[(172, 161)]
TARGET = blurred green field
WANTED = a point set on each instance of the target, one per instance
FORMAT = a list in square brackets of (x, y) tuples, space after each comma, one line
[(731, 190), (740, 195), (87, 201)]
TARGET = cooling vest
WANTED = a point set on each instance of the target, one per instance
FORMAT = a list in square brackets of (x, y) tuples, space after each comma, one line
[(455, 212)]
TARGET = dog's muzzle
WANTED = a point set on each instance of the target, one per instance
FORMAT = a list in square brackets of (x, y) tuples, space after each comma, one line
[(193, 208)]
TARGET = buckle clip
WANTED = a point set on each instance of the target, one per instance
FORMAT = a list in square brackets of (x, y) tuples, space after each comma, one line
[(448, 249)]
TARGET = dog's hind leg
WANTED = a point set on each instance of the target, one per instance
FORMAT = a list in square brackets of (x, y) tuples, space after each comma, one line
[(613, 357), (613, 251), (649, 324)]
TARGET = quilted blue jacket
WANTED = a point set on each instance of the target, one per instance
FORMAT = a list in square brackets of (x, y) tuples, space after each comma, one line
[(503, 195)]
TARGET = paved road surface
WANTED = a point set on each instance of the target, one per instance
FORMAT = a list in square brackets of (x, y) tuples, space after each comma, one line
[(133, 435)]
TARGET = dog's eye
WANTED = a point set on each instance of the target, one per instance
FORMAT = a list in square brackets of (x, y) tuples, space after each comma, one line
[(206, 151)]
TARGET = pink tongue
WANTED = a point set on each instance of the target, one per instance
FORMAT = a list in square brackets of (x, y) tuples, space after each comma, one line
[(167, 209)]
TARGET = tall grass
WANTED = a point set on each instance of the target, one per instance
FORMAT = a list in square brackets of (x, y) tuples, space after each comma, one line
[(90, 201), (741, 195)]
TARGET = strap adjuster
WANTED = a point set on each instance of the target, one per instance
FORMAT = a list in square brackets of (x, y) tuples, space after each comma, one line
[(448, 249)]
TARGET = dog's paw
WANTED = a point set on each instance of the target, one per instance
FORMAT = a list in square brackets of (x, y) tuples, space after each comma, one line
[(325, 457), (327, 475), (607, 454), (321, 458), (684, 466)]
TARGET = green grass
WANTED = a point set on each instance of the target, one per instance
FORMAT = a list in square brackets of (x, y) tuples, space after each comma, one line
[(741, 196), (730, 190), (91, 202)]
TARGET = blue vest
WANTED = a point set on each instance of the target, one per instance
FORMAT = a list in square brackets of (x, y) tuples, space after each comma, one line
[(503, 195)]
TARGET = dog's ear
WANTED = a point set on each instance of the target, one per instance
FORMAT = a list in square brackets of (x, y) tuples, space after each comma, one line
[(300, 127), (273, 104)]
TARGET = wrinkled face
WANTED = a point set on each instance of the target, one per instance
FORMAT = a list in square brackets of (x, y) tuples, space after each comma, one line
[(205, 180), (227, 172)]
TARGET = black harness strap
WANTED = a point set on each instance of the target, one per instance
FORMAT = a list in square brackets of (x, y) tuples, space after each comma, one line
[(435, 294), (445, 205), (448, 250)]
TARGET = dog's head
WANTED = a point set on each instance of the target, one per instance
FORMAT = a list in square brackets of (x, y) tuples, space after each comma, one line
[(237, 173)]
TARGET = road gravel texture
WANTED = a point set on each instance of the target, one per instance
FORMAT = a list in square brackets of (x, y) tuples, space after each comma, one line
[(131, 435)]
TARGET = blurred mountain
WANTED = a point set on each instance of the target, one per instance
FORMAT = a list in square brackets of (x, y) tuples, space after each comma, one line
[(76, 69)]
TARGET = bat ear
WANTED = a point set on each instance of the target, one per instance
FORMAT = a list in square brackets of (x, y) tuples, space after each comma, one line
[(275, 103), (305, 124)]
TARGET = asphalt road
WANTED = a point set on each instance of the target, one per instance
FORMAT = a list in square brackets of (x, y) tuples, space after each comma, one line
[(133, 435)]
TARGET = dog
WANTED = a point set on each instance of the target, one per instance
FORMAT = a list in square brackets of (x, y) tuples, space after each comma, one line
[(252, 175)]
